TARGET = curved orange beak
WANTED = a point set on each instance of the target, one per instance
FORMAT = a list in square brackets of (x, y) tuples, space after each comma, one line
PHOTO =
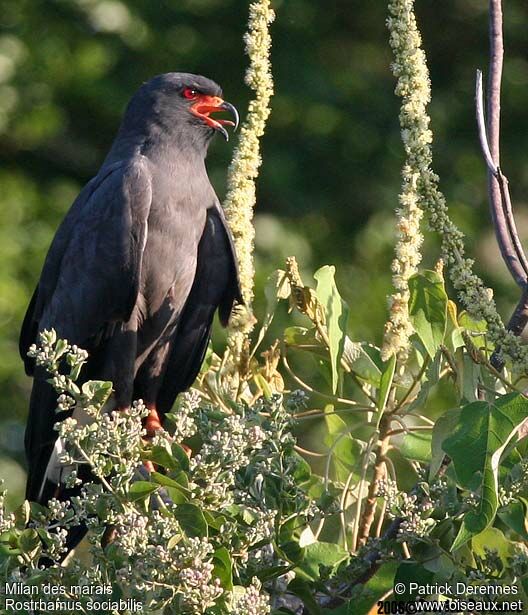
[(206, 105)]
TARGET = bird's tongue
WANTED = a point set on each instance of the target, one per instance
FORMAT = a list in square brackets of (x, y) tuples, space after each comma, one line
[(206, 110)]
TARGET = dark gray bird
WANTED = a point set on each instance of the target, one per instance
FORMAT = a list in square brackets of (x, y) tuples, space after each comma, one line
[(139, 265)]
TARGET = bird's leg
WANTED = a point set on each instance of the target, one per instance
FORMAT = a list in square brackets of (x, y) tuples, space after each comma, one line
[(153, 422)]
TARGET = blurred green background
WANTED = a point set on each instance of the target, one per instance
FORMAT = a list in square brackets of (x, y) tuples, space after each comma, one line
[(332, 152)]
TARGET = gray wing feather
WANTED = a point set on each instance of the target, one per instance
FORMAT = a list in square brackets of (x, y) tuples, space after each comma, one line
[(92, 271), (215, 287)]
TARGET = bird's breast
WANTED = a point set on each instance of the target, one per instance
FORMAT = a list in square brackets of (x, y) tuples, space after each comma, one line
[(169, 258)]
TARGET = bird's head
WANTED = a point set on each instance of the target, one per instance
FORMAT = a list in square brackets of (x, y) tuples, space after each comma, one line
[(180, 105)]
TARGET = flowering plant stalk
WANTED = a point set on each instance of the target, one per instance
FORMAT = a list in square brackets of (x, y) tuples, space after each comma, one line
[(410, 68), (244, 168)]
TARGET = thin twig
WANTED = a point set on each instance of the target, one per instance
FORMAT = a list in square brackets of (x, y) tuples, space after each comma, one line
[(310, 389), (416, 380), (481, 123)]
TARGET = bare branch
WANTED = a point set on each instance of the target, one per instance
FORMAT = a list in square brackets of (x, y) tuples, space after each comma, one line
[(510, 220), (504, 239), (502, 180), (498, 187)]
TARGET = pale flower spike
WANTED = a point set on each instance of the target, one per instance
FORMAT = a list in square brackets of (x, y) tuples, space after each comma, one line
[(243, 170), (413, 86)]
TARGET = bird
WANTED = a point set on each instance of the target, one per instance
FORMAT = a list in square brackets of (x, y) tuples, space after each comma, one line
[(138, 267)]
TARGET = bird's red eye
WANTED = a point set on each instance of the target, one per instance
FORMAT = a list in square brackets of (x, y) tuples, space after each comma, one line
[(190, 94)]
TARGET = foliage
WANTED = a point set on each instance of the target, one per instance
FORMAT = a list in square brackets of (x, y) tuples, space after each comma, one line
[(243, 518), (196, 535)]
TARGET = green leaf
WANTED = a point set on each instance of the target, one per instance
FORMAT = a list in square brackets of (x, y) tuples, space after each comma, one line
[(277, 287), (303, 338), (473, 326), (97, 392), (412, 572), (161, 457), (317, 554), (479, 437), (428, 309), (453, 336), (22, 514), (468, 378), (178, 452), (443, 428), (385, 384), (515, 516), (336, 311), (191, 520), (374, 589), (140, 490), (365, 360), (302, 472), (223, 567), (346, 450), (417, 446), (29, 541), (167, 481), (493, 539)]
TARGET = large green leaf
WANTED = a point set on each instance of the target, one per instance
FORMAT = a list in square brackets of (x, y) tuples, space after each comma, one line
[(317, 555), (376, 587), (141, 489), (385, 384), (223, 567), (479, 437), (428, 309), (336, 311), (346, 450), (493, 539), (443, 428), (365, 360), (515, 516), (191, 519), (412, 572), (416, 445)]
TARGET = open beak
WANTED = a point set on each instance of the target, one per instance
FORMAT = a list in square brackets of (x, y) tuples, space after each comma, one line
[(206, 105)]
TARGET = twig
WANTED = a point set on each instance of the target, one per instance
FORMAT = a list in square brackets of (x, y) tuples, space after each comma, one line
[(416, 380), (310, 389)]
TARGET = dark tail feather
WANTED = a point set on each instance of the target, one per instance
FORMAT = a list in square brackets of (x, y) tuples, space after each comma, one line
[(40, 436), (39, 441)]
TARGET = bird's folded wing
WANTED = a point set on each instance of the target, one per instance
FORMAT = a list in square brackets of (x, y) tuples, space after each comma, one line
[(215, 287), (92, 271)]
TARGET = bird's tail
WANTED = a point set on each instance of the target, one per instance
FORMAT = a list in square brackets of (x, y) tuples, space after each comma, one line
[(42, 449)]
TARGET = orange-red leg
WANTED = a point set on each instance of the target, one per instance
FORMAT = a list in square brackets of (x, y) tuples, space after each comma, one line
[(153, 422)]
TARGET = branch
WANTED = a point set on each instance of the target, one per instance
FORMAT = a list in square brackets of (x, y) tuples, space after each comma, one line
[(493, 126), (367, 518), (491, 147), (512, 237), (498, 186)]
